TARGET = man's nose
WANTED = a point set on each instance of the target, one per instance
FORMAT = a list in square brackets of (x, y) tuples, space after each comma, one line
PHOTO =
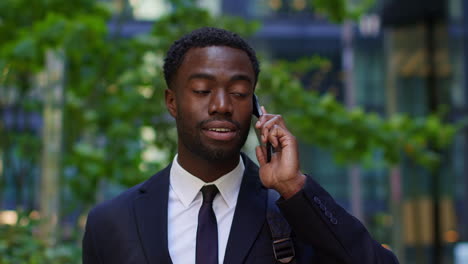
[(220, 103)]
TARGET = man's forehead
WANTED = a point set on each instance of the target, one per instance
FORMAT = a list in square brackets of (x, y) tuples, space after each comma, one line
[(217, 56), (215, 50)]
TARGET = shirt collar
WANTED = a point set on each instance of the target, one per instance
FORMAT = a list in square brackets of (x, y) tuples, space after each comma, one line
[(186, 186)]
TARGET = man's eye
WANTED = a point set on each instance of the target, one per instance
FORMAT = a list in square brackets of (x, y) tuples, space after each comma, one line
[(242, 95), (201, 91)]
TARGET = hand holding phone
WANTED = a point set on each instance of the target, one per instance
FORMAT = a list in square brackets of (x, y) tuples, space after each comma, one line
[(257, 111)]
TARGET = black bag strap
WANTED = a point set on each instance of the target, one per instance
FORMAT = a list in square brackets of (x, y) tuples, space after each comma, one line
[(283, 246)]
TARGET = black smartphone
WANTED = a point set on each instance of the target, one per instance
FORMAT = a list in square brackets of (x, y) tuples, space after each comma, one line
[(257, 111)]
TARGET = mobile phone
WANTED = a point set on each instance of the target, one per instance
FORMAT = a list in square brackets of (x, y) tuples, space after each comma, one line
[(257, 111)]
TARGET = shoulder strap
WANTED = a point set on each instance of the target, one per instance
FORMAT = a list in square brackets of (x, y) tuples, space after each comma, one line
[(283, 246)]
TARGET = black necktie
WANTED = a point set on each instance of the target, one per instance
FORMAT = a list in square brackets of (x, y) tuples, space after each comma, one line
[(207, 231)]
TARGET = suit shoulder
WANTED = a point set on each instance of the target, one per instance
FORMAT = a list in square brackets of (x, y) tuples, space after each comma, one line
[(114, 206)]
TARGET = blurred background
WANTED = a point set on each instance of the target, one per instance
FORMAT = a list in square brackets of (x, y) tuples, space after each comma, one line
[(375, 90)]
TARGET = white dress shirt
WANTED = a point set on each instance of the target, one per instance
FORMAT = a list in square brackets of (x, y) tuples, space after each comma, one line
[(185, 200)]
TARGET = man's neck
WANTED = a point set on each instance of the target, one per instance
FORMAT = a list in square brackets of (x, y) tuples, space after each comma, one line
[(207, 170)]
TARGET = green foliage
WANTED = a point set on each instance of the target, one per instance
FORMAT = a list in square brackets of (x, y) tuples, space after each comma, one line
[(42, 24), (114, 86), (340, 10), (19, 244), (353, 136)]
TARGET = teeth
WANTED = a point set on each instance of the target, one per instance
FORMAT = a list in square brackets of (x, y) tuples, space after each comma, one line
[(220, 129)]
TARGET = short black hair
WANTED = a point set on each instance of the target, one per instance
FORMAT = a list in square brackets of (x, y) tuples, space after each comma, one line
[(205, 37)]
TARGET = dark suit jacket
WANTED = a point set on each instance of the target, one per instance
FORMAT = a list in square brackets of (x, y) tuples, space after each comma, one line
[(132, 228)]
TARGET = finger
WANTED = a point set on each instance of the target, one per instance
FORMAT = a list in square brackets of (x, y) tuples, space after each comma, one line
[(280, 138), (273, 135), (263, 118), (268, 125), (258, 124), (260, 151)]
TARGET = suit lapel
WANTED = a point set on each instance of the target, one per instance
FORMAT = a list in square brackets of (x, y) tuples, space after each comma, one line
[(249, 216), (150, 209)]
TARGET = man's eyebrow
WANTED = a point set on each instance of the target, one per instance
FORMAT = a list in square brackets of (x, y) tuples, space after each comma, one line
[(202, 76), (241, 77)]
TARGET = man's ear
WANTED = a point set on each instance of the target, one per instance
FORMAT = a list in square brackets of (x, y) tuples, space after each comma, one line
[(171, 102)]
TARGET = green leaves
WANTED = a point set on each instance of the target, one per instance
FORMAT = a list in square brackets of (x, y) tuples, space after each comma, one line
[(353, 136), (18, 244), (340, 10), (45, 24)]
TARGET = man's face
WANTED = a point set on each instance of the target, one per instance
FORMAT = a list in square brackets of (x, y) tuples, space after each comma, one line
[(211, 100)]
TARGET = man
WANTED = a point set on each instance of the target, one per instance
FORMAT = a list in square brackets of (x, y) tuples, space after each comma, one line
[(211, 204)]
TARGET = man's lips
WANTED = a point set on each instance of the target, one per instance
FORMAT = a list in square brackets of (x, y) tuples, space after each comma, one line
[(220, 130)]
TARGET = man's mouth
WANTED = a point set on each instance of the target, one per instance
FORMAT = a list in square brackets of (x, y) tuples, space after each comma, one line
[(221, 130)]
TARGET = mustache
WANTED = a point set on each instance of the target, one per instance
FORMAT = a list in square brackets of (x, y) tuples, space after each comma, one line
[(204, 122)]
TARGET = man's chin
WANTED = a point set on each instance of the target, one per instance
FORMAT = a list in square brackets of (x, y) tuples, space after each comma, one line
[(214, 151), (219, 154)]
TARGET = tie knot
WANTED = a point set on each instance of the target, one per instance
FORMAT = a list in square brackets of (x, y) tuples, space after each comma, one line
[(209, 192)]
